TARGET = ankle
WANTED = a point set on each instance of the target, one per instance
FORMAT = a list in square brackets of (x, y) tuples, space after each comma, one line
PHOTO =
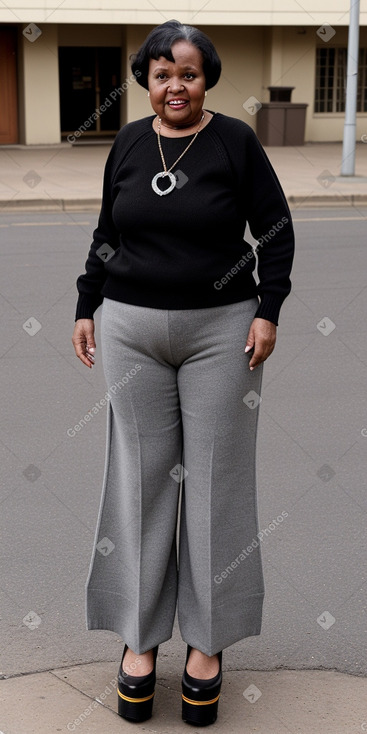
[(138, 663), (200, 665)]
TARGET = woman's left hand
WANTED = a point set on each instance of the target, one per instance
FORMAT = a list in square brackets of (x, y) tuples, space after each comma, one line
[(262, 336)]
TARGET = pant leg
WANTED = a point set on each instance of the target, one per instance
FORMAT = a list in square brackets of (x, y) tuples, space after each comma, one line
[(221, 586), (132, 589)]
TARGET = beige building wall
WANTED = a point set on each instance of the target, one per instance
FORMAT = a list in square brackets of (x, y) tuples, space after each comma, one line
[(195, 12), (253, 57), (289, 59), (240, 50), (39, 85), (295, 49), (136, 97)]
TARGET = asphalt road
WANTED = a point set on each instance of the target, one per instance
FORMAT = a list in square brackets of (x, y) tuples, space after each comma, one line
[(311, 453)]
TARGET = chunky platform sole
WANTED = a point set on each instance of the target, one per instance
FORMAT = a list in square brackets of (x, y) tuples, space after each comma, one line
[(135, 709), (200, 713), (200, 697), (136, 693)]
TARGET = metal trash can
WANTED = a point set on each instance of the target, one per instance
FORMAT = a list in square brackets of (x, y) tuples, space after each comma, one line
[(280, 121)]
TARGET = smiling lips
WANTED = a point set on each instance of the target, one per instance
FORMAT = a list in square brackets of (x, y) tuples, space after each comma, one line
[(177, 104)]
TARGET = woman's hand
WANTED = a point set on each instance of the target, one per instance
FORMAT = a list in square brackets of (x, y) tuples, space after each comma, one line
[(262, 335), (83, 341)]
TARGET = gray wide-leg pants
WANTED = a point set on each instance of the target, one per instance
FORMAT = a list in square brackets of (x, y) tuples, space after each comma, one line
[(179, 415)]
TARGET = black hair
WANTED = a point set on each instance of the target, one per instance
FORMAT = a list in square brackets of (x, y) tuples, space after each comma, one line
[(158, 43)]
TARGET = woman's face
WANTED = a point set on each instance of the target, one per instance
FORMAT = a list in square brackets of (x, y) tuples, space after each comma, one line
[(177, 88)]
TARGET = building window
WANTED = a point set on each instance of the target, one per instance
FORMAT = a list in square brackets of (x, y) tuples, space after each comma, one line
[(362, 81), (331, 76)]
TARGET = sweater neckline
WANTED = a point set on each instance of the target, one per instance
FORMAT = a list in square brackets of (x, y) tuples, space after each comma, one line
[(180, 137)]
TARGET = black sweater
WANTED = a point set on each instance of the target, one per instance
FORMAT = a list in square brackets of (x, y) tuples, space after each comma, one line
[(187, 249)]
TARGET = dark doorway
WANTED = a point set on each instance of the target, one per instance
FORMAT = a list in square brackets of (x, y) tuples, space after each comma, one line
[(87, 78), (8, 86)]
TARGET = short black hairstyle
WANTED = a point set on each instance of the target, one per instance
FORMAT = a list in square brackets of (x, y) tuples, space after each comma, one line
[(158, 43)]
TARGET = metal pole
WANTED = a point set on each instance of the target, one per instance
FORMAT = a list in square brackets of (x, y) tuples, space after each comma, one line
[(349, 138)]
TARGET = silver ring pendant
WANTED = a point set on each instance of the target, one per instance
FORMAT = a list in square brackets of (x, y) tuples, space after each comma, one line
[(157, 190)]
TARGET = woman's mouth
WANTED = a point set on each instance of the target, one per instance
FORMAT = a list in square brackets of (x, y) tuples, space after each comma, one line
[(177, 104)]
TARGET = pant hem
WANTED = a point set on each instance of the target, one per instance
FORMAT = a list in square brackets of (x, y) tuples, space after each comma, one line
[(226, 630)]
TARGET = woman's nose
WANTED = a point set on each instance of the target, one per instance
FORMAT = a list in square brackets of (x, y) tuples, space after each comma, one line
[(175, 85)]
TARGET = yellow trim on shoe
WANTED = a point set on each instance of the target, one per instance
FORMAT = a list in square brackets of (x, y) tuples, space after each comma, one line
[(200, 703), (135, 700)]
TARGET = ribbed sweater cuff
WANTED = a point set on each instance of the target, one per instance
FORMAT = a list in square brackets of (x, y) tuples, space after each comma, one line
[(86, 306), (269, 308)]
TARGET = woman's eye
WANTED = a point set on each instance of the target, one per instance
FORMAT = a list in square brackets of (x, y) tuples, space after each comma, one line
[(188, 75)]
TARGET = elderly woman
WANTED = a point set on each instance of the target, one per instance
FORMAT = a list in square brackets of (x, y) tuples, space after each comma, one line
[(185, 329)]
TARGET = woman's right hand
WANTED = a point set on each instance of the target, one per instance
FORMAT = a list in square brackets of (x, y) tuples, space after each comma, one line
[(83, 341)]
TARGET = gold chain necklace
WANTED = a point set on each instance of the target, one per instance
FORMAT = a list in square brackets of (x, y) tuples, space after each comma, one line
[(167, 172)]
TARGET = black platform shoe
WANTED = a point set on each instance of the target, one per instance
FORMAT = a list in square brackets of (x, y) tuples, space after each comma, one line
[(200, 696), (136, 692)]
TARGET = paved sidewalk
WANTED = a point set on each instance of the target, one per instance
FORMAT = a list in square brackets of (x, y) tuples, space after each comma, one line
[(66, 177), (84, 699)]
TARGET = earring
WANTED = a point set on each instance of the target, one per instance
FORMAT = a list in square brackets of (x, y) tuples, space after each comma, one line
[(148, 94), (206, 92)]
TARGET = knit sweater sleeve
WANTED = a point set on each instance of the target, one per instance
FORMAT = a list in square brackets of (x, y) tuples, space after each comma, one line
[(270, 222), (105, 239)]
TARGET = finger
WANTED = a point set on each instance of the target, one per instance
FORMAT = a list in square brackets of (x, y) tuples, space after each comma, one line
[(82, 349), (84, 357), (259, 352), (250, 341), (263, 349), (89, 351), (256, 359), (91, 344)]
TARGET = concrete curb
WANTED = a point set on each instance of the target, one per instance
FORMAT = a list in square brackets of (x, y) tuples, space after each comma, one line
[(94, 204), (310, 202), (50, 205)]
